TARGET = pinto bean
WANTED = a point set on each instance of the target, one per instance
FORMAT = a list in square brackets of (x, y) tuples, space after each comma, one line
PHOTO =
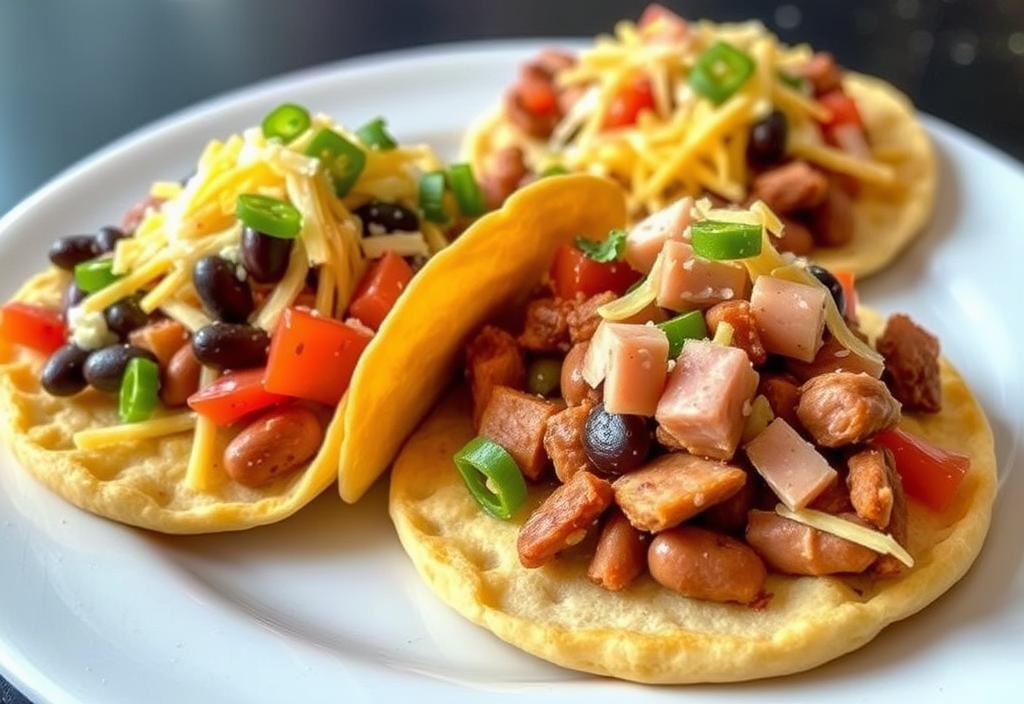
[(163, 338), (706, 565), (180, 377), (621, 554), (794, 548), (274, 445), (840, 408), (574, 389), (563, 519)]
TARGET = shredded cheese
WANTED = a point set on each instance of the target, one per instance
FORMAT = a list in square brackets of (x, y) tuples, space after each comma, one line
[(122, 288), (203, 460), (882, 543), (839, 161), (96, 438), (407, 244), (189, 316)]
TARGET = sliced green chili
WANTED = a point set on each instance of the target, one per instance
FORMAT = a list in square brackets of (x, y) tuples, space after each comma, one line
[(688, 326), (269, 215), (95, 274), (286, 122), (720, 71), (140, 386), (344, 160), (374, 134), (492, 477), (432, 196), (466, 189), (554, 170), (712, 239), (544, 376)]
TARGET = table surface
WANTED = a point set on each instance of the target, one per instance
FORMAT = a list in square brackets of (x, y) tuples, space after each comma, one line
[(76, 75)]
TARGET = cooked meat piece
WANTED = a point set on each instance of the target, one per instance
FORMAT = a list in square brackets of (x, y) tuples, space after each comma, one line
[(796, 238), (135, 215), (835, 499), (163, 338), (505, 172), (702, 564), (871, 478), (783, 396), (563, 440), (563, 519), (911, 364), (517, 421), (547, 326), (791, 466), (790, 316), (621, 554), (730, 516), (832, 222), (793, 548), (583, 318), (887, 565), (831, 357), (647, 238), (674, 487), (745, 335), (823, 73), (493, 358), (575, 390), (632, 360), (840, 409), (794, 186)]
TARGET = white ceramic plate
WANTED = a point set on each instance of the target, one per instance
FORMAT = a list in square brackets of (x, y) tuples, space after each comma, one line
[(325, 606)]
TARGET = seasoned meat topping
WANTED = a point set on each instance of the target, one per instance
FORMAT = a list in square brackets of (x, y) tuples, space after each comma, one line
[(492, 359), (563, 519), (547, 325), (840, 409), (517, 421), (563, 441), (583, 318), (871, 480), (745, 335), (794, 186), (911, 364)]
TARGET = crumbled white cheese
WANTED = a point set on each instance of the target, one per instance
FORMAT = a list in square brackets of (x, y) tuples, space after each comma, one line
[(233, 253), (89, 330)]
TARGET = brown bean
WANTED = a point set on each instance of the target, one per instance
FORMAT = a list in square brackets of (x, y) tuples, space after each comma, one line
[(794, 548), (163, 338), (180, 377), (620, 556), (274, 445), (574, 389), (706, 565)]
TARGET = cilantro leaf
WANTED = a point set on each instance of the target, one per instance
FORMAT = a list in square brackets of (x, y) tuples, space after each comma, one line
[(612, 248)]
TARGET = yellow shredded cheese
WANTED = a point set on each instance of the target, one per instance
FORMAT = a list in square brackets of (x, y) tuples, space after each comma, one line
[(96, 438), (203, 460), (839, 161), (882, 543), (165, 189), (189, 316), (287, 289)]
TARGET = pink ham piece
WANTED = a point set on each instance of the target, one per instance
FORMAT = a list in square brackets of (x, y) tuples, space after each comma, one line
[(702, 407), (790, 317), (689, 282), (795, 471), (633, 361), (647, 237)]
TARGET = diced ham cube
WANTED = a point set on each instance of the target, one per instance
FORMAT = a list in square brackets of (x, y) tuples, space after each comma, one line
[(633, 362), (517, 422), (790, 316), (794, 470), (647, 237), (690, 282), (674, 488), (703, 404)]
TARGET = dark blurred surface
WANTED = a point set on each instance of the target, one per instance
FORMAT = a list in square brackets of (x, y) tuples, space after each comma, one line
[(75, 75)]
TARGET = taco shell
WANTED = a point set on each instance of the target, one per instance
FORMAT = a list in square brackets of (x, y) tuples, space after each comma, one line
[(648, 633)]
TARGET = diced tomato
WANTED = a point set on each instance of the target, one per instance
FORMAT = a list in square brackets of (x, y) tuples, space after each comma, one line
[(625, 107), (844, 112), (38, 327), (313, 357), (572, 273), (537, 94), (377, 292), (234, 395), (846, 280), (930, 474)]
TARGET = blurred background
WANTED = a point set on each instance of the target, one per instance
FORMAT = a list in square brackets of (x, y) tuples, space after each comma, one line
[(76, 74)]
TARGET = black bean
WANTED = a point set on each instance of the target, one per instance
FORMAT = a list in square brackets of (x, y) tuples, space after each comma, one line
[(832, 284), (768, 137), (105, 366), (72, 297), (615, 443), (62, 374), (229, 299), (231, 346), (265, 257), (73, 249), (124, 316), (107, 237), (380, 217)]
